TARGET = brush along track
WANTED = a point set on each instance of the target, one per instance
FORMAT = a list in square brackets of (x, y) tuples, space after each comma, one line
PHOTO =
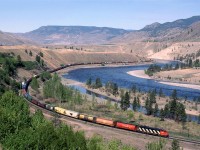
[(121, 131)]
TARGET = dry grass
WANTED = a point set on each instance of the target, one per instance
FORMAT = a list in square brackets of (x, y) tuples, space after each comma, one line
[(186, 75)]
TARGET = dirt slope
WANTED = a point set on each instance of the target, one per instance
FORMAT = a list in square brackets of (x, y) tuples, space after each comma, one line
[(54, 57)]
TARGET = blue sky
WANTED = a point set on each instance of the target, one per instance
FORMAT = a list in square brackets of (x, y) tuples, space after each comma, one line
[(27, 15)]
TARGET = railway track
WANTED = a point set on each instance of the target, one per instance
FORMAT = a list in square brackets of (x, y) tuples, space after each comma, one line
[(121, 131)]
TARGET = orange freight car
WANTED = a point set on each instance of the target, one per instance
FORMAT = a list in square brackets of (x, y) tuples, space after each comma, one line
[(105, 122), (126, 126)]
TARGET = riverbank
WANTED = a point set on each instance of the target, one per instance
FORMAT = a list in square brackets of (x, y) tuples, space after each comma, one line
[(141, 74)]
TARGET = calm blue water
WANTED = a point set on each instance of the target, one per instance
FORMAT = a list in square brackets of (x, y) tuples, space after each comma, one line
[(118, 75)]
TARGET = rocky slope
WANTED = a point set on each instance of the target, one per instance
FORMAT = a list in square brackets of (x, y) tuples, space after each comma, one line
[(10, 39), (73, 34)]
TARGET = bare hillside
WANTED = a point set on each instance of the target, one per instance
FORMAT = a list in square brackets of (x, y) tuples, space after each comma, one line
[(54, 57), (177, 50)]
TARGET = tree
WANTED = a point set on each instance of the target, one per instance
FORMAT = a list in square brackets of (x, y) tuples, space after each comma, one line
[(98, 83), (190, 62), (45, 76), (30, 53), (41, 54), (156, 110), (37, 58), (138, 102), (180, 114), (9, 67), (148, 106), (162, 115), (175, 145), (174, 95), (153, 96), (166, 111), (26, 51), (89, 82), (173, 104), (134, 105), (19, 60), (177, 66), (115, 89), (34, 84), (125, 101)]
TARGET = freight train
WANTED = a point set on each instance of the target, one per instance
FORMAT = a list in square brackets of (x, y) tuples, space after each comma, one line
[(90, 118)]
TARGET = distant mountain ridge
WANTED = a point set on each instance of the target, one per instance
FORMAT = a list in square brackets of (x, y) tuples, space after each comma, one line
[(73, 34), (179, 30), (169, 31)]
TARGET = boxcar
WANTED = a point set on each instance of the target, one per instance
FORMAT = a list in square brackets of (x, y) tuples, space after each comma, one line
[(34, 101), (49, 107), (87, 118), (41, 104), (105, 122), (126, 126), (60, 110), (71, 113)]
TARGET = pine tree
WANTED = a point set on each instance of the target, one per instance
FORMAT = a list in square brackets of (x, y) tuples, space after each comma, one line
[(134, 104), (190, 63), (125, 101), (89, 82), (37, 58), (180, 113), (173, 104), (30, 53), (19, 60), (98, 83), (153, 96), (166, 111), (115, 89), (148, 106), (162, 115), (138, 102), (156, 110), (122, 102)]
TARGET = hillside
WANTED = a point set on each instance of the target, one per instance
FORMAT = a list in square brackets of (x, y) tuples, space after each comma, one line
[(166, 32), (55, 57), (10, 39), (73, 34)]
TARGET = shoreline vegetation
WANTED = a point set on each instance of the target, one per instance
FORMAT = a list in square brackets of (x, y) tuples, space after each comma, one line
[(137, 73)]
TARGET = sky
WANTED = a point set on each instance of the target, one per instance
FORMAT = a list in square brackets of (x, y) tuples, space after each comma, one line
[(27, 15)]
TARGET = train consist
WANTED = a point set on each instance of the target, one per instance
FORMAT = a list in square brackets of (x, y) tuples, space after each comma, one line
[(90, 118)]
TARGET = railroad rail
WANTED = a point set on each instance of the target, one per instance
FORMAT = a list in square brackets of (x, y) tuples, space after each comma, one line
[(121, 131)]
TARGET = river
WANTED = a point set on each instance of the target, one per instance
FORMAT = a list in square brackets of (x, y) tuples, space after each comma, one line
[(119, 75)]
